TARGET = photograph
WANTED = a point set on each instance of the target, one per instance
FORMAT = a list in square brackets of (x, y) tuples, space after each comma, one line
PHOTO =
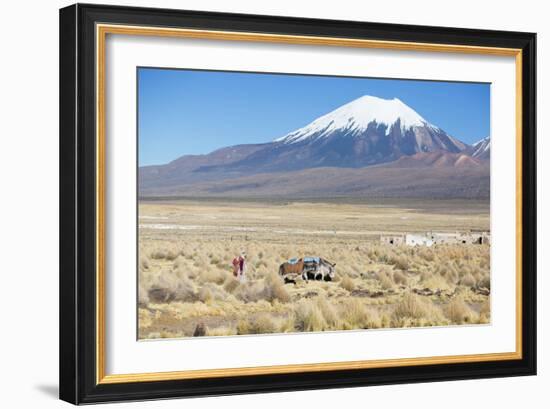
[(274, 203)]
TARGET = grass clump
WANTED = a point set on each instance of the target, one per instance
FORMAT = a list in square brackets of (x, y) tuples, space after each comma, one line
[(230, 285), (400, 278), (459, 312), (347, 283), (413, 311), (209, 275), (385, 280), (271, 289), (308, 317), (249, 292), (221, 331), (274, 289), (328, 312), (354, 314), (261, 324), (401, 262), (169, 287), (468, 280), (435, 282)]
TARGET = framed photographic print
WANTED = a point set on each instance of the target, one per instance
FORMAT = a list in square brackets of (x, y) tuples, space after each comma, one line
[(258, 203)]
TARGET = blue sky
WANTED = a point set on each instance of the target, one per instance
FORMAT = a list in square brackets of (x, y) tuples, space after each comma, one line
[(194, 112)]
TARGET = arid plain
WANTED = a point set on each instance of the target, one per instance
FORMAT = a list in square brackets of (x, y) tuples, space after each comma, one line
[(186, 286)]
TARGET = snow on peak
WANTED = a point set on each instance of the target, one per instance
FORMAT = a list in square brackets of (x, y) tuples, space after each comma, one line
[(355, 116), (482, 141), (481, 146)]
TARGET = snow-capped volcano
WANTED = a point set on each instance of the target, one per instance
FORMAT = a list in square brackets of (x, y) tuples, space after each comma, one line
[(363, 132), (482, 149), (356, 116), (366, 131), (412, 157)]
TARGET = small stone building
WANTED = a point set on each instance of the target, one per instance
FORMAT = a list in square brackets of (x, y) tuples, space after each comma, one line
[(461, 238), (430, 239), (447, 238), (394, 240), (418, 240)]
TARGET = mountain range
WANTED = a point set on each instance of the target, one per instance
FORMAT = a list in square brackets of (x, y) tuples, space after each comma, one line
[(369, 147)]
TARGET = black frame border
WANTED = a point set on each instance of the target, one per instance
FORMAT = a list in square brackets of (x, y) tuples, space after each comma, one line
[(77, 255)]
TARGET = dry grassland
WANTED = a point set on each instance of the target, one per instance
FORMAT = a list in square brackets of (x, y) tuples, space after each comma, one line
[(186, 287)]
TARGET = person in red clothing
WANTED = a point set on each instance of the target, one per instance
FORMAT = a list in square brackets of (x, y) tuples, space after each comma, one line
[(239, 266), (236, 267)]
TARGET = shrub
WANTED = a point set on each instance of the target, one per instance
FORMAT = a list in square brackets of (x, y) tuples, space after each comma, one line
[(287, 324), (168, 287), (183, 268), (262, 324), (435, 282), (179, 262), (400, 262), (400, 278), (185, 290), (450, 276), (217, 293), (212, 276), (427, 254), (385, 280), (385, 320), (171, 255), (329, 312), (249, 292), (447, 270), (221, 331), (230, 284), (347, 283), (269, 289), (274, 289), (468, 280), (243, 327), (205, 295), (411, 306), (307, 317), (459, 312), (355, 314)]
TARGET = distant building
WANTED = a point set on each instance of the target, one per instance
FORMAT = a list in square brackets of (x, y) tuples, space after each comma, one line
[(477, 238), (486, 238), (418, 240), (461, 238), (447, 238), (429, 239), (394, 240)]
